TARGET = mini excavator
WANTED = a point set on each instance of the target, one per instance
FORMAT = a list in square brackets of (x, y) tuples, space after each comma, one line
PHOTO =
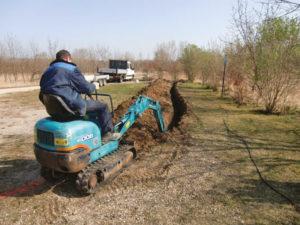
[(65, 144)]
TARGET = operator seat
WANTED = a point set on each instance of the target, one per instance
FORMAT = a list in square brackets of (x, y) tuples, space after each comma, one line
[(58, 109)]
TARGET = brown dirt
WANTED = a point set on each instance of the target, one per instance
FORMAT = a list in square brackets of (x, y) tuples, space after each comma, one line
[(144, 132)]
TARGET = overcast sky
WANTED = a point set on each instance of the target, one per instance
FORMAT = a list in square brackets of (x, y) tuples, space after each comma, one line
[(136, 26)]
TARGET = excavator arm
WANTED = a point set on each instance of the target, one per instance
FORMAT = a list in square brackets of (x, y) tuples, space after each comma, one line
[(141, 105)]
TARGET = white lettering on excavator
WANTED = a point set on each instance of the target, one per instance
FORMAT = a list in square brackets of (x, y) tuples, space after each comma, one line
[(85, 137)]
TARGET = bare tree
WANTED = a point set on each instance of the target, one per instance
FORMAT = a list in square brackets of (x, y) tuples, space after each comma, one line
[(53, 47), (285, 6), (165, 58), (102, 53), (236, 70), (2, 60), (14, 50), (34, 60)]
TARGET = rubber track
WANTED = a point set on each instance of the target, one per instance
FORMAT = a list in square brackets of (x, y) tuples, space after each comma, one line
[(96, 167)]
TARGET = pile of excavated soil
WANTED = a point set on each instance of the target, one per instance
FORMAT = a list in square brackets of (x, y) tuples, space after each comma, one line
[(145, 132)]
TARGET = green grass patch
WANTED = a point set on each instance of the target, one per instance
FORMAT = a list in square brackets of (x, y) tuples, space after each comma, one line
[(273, 140), (121, 92), (191, 85)]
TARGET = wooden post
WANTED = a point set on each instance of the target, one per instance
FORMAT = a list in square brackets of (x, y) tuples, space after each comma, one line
[(224, 72)]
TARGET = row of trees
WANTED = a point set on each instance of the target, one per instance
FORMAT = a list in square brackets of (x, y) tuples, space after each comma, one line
[(202, 64), (170, 58), (27, 64), (263, 57)]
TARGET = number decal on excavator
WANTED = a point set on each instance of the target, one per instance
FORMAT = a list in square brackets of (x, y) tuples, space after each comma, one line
[(85, 138)]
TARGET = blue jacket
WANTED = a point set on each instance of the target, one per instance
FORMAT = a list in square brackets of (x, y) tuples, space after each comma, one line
[(65, 80)]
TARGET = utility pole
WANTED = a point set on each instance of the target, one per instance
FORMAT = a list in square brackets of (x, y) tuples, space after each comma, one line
[(224, 72)]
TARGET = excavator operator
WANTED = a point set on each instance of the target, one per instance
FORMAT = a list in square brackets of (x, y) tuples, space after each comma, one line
[(64, 79)]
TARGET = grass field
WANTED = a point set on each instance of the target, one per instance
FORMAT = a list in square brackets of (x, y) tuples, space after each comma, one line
[(228, 132)]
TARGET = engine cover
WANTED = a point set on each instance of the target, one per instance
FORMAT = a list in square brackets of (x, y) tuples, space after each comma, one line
[(65, 146), (66, 136)]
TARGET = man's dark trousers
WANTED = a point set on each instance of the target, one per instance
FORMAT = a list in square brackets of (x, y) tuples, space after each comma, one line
[(102, 111)]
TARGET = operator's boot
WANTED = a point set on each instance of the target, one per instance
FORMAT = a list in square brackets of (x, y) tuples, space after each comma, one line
[(109, 136)]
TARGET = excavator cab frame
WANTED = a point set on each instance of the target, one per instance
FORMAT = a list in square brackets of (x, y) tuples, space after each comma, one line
[(97, 94)]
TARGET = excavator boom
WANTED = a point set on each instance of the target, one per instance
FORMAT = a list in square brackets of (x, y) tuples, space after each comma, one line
[(139, 106)]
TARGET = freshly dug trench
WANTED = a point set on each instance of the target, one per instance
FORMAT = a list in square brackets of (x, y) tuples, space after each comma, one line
[(179, 105), (145, 132)]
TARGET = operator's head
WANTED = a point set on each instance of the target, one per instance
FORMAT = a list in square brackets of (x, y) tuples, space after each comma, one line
[(64, 55)]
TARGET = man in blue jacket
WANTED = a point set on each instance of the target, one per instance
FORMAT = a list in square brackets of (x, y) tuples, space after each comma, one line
[(64, 79)]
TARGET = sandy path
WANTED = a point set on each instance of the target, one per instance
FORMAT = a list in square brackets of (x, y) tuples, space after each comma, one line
[(18, 89)]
